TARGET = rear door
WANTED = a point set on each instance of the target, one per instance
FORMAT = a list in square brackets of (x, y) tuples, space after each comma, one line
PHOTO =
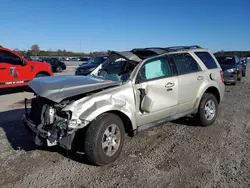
[(15, 72), (190, 79)]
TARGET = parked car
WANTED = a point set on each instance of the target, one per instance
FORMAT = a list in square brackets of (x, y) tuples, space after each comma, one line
[(232, 68), (16, 70), (97, 111), (57, 65), (86, 68), (75, 59), (84, 58)]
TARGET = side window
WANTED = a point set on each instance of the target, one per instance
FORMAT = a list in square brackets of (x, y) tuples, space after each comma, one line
[(185, 63), (155, 68), (207, 59), (10, 58)]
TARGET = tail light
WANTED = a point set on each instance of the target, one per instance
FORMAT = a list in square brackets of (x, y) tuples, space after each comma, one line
[(222, 76)]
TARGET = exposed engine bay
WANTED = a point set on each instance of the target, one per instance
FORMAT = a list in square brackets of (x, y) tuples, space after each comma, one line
[(50, 121)]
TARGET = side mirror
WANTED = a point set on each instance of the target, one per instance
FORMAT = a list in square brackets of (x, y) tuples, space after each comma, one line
[(23, 62)]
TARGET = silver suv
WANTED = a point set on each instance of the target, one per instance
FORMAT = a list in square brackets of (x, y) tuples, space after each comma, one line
[(130, 92)]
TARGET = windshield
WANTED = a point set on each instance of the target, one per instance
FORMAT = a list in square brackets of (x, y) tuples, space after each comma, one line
[(226, 60), (114, 68)]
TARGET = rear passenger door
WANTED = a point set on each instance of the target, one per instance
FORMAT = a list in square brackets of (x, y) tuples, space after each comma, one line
[(190, 79)]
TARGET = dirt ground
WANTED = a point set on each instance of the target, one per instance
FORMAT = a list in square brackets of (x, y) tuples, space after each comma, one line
[(177, 154)]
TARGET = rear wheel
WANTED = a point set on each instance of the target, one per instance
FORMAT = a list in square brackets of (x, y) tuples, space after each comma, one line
[(59, 69), (239, 76), (41, 75), (208, 110), (104, 139), (243, 72)]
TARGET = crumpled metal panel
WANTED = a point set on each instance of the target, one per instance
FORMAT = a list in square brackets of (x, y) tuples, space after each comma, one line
[(119, 98), (57, 88)]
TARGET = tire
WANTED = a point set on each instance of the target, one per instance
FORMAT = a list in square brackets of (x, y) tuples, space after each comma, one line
[(59, 69), (205, 101), (97, 152), (41, 75), (244, 73), (239, 76)]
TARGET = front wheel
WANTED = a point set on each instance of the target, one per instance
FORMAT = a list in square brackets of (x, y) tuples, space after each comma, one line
[(104, 139), (208, 110)]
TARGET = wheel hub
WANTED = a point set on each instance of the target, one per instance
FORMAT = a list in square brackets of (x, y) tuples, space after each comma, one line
[(111, 140), (210, 110)]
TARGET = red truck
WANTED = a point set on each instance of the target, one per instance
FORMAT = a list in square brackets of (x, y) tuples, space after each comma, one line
[(17, 71)]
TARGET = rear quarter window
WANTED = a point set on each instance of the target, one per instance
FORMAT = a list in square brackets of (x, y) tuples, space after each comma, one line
[(207, 59)]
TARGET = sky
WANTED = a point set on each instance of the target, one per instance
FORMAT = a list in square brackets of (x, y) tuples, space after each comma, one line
[(99, 25)]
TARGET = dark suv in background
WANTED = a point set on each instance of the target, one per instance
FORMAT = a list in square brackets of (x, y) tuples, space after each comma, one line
[(232, 68), (56, 64), (87, 67)]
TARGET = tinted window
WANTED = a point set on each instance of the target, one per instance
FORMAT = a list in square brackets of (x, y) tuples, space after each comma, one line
[(207, 59), (10, 58), (226, 60), (185, 63), (155, 68)]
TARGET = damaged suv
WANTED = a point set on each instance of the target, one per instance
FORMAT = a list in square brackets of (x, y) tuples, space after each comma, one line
[(144, 90)]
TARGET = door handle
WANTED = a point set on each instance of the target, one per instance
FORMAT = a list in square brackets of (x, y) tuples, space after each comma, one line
[(169, 85), (200, 78), (2, 68)]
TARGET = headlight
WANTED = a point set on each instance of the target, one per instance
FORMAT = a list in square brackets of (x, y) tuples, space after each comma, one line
[(230, 70)]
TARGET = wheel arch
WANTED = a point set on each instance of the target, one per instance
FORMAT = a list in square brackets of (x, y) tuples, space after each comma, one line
[(43, 72), (210, 89)]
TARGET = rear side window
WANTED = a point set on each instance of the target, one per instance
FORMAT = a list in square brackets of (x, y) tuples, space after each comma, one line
[(207, 59), (185, 63)]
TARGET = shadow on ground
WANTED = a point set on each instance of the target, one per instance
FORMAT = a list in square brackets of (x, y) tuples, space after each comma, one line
[(16, 133), (11, 91), (20, 139)]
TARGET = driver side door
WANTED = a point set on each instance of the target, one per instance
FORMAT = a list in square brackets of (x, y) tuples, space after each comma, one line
[(16, 73), (156, 89)]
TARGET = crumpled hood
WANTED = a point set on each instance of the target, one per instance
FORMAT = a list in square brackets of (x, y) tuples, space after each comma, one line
[(57, 88)]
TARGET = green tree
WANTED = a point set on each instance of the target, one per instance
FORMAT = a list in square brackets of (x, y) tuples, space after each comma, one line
[(35, 49)]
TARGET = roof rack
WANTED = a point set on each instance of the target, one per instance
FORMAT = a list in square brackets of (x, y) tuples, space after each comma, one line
[(176, 48)]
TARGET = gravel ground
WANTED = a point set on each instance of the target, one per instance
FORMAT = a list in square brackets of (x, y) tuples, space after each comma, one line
[(177, 154)]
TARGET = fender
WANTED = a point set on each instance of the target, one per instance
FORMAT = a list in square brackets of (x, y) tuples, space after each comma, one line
[(202, 91), (88, 108)]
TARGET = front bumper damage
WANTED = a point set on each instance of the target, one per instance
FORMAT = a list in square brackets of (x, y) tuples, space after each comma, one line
[(56, 133)]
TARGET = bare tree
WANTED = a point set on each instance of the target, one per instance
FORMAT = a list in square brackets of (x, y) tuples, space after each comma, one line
[(35, 49)]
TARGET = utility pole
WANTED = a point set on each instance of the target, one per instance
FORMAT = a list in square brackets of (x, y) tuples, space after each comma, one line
[(80, 46)]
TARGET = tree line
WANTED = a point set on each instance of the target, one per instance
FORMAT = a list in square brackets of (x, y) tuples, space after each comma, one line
[(35, 51)]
